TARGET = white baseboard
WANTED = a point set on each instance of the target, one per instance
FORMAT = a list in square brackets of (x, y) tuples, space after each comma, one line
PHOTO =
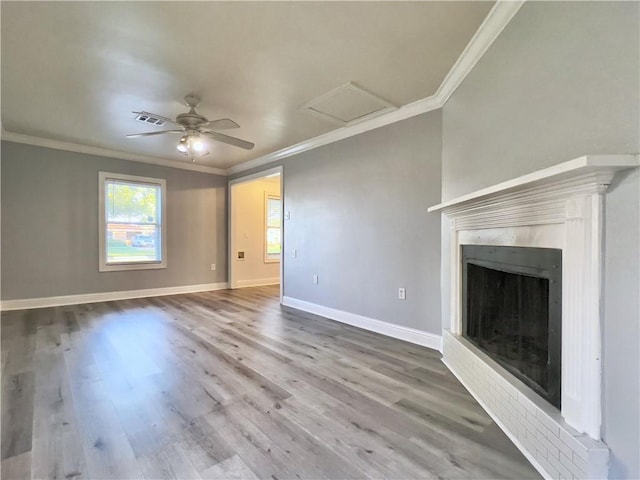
[(259, 282), (407, 334), (24, 303)]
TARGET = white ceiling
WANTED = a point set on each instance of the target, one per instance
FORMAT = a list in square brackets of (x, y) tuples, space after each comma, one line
[(74, 71)]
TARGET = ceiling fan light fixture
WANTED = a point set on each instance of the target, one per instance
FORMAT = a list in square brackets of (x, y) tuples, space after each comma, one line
[(197, 144), (182, 145), (191, 145)]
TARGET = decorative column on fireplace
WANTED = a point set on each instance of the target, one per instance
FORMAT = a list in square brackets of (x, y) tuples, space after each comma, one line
[(525, 336)]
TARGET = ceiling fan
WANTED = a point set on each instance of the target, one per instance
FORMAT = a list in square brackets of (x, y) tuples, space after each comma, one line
[(193, 127)]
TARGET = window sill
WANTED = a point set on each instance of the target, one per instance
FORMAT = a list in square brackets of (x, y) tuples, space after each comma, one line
[(118, 267)]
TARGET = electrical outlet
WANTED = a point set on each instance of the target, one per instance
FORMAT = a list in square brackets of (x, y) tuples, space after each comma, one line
[(315, 279), (213, 266), (287, 215), (402, 293)]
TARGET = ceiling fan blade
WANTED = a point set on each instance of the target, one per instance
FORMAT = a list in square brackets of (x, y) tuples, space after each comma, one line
[(148, 134), (159, 117), (230, 140), (222, 124)]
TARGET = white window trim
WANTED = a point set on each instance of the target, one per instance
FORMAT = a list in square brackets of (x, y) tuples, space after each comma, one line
[(103, 266)]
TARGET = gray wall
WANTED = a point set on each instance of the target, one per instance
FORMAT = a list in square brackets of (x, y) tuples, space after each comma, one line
[(358, 220), (562, 81), (50, 225)]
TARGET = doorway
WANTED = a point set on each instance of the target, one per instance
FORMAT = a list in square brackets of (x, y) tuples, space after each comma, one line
[(256, 230)]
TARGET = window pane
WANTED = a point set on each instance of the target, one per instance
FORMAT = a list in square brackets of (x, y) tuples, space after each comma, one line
[(273, 212), (129, 202), (132, 243), (273, 228), (273, 241)]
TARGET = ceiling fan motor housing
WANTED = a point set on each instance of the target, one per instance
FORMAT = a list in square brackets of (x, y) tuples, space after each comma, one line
[(190, 119)]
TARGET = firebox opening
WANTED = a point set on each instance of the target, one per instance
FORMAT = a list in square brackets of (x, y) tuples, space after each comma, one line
[(511, 309)]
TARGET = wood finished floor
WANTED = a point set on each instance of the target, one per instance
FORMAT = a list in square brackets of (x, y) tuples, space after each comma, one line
[(227, 385)]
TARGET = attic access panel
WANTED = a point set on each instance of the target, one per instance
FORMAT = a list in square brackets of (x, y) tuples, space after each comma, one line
[(347, 104)]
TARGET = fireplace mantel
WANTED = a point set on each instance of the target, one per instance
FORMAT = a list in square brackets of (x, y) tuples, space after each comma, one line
[(558, 207), (564, 179)]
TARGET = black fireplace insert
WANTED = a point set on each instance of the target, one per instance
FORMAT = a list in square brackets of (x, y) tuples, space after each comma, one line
[(512, 310)]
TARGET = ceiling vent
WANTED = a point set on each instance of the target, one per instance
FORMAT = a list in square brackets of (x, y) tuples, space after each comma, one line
[(149, 118), (347, 104)]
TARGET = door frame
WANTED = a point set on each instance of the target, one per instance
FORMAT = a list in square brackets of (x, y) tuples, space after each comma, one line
[(230, 237)]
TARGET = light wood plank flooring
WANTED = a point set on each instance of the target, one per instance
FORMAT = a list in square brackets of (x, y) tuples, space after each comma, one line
[(230, 385)]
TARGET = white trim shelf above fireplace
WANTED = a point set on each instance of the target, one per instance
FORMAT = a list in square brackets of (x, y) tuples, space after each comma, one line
[(605, 165), (560, 207)]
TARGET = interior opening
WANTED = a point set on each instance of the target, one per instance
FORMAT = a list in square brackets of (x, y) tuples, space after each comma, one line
[(255, 230)]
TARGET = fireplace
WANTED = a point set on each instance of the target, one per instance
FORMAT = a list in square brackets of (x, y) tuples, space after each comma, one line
[(558, 209), (512, 311)]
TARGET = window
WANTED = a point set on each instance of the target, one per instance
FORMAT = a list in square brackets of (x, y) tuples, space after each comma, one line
[(273, 223), (132, 226)]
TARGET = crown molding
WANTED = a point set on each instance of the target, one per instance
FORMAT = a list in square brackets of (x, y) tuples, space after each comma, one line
[(497, 19), (492, 26), (105, 152), (410, 110)]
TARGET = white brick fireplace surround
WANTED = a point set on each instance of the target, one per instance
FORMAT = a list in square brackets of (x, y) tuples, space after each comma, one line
[(558, 207)]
